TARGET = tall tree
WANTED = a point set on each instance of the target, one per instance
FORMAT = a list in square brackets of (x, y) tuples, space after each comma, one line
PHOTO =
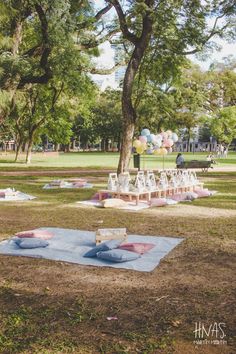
[(168, 28), (223, 125), (45, 47)]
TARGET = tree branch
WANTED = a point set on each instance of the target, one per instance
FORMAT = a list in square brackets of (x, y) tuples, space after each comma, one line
[(102, 12), (46, 51), (122, 20), (212, 33), (106, 71), (95, 43), (96, 17)]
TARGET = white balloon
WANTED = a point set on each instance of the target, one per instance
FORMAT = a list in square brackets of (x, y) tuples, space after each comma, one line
[(175, 137)]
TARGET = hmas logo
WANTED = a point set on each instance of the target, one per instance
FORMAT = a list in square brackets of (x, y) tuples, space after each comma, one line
[(213, 333)]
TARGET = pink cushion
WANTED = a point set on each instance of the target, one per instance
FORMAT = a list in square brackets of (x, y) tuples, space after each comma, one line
[(77, 180), (78, 184), (2, 194), (158, 202), (202, 193), (137, 247), (43, 234), (179, 197), (56, 183), (95, 196)]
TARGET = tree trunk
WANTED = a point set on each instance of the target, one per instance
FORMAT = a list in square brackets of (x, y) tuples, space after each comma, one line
[(29, 148), (126, 147), (128, 110), (67, 148), (17, 37), (106, 145), (56, 147), (18, 150)]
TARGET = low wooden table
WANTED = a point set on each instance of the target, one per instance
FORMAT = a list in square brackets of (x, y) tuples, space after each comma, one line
[(130, 195)]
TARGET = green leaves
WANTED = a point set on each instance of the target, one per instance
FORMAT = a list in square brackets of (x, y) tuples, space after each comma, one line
[(223, 125)]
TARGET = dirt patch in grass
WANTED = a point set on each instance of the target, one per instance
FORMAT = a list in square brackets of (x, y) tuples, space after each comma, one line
[(57, 307)]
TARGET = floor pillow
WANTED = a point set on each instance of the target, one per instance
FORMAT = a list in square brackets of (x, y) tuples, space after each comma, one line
[(178, 197), (77, 180), (118, 255), (113, 203), (79, 184), (191, 196), (32, 243), (137, 247), (104, 246), (171, 201), (202, 193), (42, 234), (56, 183), (158, 202)]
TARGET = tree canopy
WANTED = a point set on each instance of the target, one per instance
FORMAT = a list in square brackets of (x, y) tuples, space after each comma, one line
[(46, 49)]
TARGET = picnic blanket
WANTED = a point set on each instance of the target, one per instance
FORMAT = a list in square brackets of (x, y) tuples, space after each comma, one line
[(130, 206), (68, 184), (12, 195), (70, 245)]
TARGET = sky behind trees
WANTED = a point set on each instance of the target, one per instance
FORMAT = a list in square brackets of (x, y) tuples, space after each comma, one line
[(107, 60)]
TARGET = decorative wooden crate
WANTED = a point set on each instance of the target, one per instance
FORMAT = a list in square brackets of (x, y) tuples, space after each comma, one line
[(110, 234)]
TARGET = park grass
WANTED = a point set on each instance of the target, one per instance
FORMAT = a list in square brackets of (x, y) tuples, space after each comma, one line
[(56, 307), (100, 160)]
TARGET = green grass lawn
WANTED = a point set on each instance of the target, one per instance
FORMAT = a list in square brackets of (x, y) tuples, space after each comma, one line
[(101, 160), (54, 307)]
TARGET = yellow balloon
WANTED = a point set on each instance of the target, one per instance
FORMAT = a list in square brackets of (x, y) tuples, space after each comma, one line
[(156, 152), (169, 132), (137, 143), (140, 150), (143, 145), (163, 151)]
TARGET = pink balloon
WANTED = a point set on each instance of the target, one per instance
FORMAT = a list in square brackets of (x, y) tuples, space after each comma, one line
[(143, 138), (171, 142), (168, 143)]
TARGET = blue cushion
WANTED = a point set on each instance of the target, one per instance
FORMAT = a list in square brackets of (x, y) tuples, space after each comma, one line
[(104, 246), (18, 240), (32, 243), (118, 255)]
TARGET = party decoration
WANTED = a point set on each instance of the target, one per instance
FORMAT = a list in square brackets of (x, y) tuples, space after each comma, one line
[(157, 144), (137, 143), (157, 152), (163, 151), (149, 151), (145, 132), (140, 150), (143, 139), (168, 143), (175, 137)]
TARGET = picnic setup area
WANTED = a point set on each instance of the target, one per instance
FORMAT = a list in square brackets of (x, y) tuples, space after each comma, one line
[(51, 304), (117, 177)]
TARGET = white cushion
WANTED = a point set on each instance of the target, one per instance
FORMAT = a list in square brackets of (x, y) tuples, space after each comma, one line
[(113, 203)]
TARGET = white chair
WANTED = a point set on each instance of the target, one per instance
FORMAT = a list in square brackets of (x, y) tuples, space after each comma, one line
[(124, 182), (140, 182), (151, 181), (112, 184)]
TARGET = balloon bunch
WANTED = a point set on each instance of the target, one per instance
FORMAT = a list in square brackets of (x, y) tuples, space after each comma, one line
[(159, 144)]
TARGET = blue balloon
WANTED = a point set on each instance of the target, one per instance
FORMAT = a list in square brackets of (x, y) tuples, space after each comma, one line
[(149, 151), (145, 132), (149, 138)]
